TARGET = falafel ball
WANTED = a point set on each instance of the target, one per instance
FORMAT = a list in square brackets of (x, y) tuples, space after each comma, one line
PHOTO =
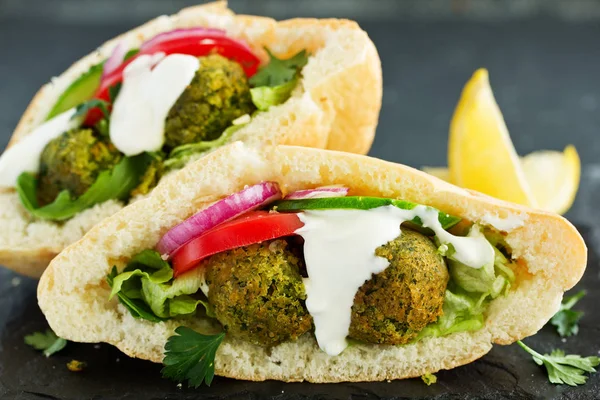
[(258, 294), (396, 304), (73, 161), (218, 94)]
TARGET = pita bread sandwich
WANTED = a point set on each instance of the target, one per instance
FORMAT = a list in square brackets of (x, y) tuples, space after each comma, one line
[(151, 100), (301, 264)]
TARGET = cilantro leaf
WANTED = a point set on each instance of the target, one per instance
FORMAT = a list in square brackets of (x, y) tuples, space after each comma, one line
[(429, 379), (278, 71), (190, 356), (566, 320), (564, 369), (83, 108), (46, 341), (110, 184)]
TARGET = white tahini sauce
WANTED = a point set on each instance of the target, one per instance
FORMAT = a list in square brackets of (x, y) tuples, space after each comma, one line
[(137, 122), (24, 156), (507, 224), (339, 250)]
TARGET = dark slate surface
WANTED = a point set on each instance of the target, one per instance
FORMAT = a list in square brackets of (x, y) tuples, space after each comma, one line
[(543, 70)]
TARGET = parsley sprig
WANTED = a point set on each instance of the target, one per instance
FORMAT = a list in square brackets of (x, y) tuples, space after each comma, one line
[(46, 341), (566, 320), (564, 369), (190, 356), (279, 71)]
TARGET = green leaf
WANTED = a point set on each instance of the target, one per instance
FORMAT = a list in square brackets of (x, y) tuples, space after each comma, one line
[(110, 184), (564, 369), (181, 155), (137, 307), (113, 91), (147, 286), (264, 97), (278, 71), (468, 294), (566, 320), (83, 108), (190, 356), (429, 379), (46, 341)]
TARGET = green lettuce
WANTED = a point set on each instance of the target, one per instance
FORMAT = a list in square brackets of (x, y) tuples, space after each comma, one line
[(147, 288), (110, 184), (181, 155), (264, 97), (273, 84), (468, 294)]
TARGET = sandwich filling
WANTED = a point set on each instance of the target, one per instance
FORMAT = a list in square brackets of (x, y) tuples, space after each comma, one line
[(318, 262), (127, 121)]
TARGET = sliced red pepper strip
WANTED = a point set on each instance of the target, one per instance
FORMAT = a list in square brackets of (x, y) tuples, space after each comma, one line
[(254, 227)]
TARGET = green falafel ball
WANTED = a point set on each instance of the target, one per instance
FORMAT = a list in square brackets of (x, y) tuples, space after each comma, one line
[(257, 293), (218, 94), (396, 304), (73, 161)]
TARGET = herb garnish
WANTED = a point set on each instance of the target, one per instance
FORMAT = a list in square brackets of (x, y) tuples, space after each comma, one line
[(564, 369), (565, 320), (278, 71), (429, 379), (190, 356), (46, 341), (110, 184), (83, 108)]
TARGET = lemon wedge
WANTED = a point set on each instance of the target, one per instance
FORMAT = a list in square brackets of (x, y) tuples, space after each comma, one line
[(553, 177), (481, 155)]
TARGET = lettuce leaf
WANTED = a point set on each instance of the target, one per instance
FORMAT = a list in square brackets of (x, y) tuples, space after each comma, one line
[(183, 154), (147, 288), (264, 97), (110, 184), (468, 294)]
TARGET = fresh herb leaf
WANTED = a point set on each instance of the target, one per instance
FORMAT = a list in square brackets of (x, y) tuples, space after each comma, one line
[(183, 154), (190, 356), (110, 184), (46, 341), (566, 320), (564, 369), (113, 91), (429, 379), (264, 97), (278, 71), (83, 108)]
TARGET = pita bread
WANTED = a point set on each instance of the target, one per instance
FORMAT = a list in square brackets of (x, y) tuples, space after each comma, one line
[(73, 293), (336, 106)]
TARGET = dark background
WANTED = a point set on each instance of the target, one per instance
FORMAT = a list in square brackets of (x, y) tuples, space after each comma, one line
[(544, 59)]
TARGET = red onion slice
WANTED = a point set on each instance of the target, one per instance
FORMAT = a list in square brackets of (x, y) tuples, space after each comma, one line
[(186, 33), (115, 59), (325, 191), (224, 210)]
